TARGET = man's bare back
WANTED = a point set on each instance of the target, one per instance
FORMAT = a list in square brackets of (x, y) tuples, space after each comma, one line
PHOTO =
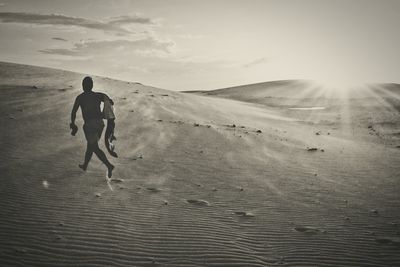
[(90, 105)]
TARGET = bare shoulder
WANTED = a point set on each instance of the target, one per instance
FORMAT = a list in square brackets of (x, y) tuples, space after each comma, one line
[(78, 98)]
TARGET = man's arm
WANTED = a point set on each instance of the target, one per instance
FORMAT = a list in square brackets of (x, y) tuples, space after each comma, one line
[(74, 110), (72, 125)]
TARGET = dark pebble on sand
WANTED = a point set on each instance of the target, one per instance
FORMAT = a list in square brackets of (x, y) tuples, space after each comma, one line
[(306, 229), (375, 212), (244, 214), (198, 202), (153, 189)]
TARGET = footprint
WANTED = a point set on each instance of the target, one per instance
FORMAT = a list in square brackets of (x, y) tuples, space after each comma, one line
[(198, 202), (20, 250), (117, 180), (388, 241)]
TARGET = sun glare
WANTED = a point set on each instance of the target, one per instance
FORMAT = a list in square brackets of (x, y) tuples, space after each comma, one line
[(339, 88)]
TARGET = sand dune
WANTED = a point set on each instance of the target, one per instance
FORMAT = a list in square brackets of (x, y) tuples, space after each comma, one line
[(224, 178)]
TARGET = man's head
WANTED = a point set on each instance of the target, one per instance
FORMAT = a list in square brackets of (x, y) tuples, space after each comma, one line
[(87, 84)]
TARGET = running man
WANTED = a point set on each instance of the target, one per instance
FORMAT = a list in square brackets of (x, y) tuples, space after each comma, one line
[(89, 102)]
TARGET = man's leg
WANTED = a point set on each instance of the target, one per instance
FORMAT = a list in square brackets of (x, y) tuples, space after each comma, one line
[(88, 156), (100, 154)]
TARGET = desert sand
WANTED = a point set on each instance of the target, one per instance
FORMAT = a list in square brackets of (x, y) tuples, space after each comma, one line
[(284, 173)]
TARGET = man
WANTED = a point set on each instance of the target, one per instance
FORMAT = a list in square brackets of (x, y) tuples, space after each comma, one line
[(89, 102)]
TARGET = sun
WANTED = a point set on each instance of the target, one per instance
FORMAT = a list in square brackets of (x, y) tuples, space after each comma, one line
[(341, 84), (339, 88)]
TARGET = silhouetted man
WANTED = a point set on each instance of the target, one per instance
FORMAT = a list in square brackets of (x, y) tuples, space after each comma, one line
[(89, 102)]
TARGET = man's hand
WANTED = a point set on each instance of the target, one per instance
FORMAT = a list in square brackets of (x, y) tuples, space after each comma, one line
[(74, 128)]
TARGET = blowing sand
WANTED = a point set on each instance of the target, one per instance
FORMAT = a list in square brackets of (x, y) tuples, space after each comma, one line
[(231, 177)]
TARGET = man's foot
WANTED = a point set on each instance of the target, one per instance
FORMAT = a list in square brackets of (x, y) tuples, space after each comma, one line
[(109, 170), (83, 166)]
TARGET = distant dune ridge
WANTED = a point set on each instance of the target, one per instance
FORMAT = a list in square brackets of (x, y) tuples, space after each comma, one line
[(231, 177)]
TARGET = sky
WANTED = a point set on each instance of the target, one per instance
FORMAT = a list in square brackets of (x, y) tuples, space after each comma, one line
[(207, 44)]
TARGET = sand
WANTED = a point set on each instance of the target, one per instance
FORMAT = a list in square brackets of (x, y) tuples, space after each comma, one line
[(232, 177)]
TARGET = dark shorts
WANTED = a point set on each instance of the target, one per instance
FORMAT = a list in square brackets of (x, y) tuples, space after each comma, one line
[(93, 130)]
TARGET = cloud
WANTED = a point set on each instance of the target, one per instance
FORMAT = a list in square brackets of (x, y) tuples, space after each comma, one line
[(192, 36), (256, 62), (111, 25), (130, 19), (59, 39), (113, 47)]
